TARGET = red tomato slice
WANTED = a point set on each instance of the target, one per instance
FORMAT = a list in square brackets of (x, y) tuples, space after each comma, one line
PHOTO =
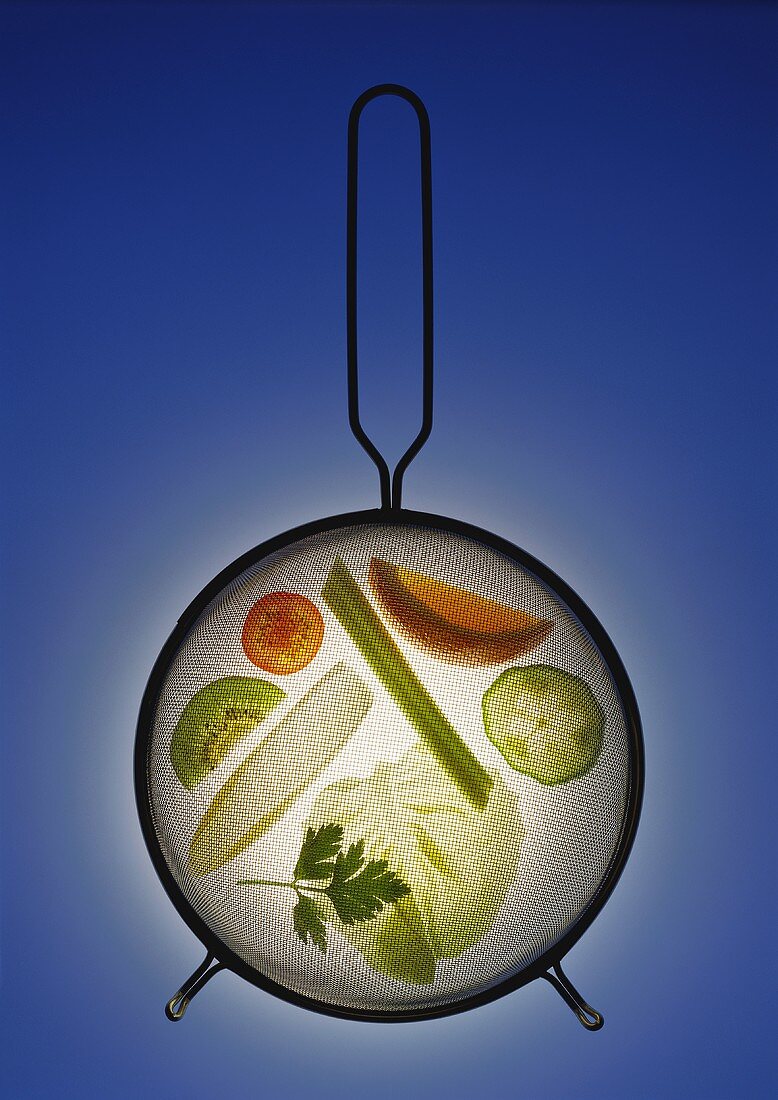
[(282, 632)]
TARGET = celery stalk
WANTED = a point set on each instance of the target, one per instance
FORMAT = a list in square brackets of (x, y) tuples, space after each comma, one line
[(349, 604)]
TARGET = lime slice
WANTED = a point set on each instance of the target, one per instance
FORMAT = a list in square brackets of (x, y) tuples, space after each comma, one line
[(545, 722)]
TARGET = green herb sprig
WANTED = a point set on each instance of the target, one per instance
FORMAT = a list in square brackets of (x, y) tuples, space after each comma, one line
[(357, 888)]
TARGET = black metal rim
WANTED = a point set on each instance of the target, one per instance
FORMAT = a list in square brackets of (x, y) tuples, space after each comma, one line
[(402, 517)]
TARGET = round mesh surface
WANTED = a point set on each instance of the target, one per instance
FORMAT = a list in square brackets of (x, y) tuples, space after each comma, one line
[(382, 737)]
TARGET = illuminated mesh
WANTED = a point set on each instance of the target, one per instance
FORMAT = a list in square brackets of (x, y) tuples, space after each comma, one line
[(498, 864)]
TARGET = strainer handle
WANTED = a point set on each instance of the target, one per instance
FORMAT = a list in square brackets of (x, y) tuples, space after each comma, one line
[(391, 488), (178, 1003), (591, 1019)]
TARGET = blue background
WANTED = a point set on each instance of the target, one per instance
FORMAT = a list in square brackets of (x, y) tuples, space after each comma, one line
[(173, 232)]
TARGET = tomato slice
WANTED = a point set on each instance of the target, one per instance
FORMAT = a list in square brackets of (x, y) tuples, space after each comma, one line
[(282, 632)]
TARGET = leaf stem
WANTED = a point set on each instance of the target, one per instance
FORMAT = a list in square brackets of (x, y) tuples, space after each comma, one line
[(264, 882), (297, 885)]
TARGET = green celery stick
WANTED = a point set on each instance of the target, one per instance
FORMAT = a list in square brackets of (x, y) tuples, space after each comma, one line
[(349, 604)]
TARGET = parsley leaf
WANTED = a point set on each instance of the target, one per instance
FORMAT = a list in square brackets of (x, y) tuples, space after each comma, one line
[(348, 864), (308, 922), (358, 889), (319, 846)]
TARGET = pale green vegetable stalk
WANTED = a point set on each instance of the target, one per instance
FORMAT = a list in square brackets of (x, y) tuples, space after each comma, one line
[(267, 782), (457, 861), (348, 603)]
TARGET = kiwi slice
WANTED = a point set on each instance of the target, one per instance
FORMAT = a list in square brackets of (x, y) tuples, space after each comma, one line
[(215, 719), (545, 722)]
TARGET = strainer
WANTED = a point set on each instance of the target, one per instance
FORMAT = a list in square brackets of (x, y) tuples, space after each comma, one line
[(388, 765)]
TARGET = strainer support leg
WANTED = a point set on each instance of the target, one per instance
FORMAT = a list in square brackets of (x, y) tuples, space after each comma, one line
[(177, 1005), (587, 1016)]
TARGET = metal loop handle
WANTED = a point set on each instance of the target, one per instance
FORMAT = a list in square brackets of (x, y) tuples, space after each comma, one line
[(589, 1017), (178, 1003), (391, 488)]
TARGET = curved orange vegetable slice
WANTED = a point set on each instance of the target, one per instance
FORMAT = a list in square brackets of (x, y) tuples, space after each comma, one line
[(450, 622)]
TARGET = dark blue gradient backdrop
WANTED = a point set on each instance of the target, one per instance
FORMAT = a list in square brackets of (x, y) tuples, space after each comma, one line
[(174, 354)]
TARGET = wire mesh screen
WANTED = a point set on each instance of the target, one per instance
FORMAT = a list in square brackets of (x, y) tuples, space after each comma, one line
[(388, 767)]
